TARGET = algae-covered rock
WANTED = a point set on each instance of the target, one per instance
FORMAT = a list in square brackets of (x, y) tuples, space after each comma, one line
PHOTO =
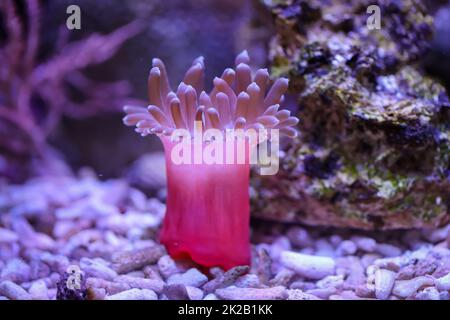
[(374, 148)]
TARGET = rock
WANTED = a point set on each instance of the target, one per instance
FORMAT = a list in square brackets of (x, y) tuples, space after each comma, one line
[(444, 295), (302, 285), (140, 274), (29, 238), (322, 293), (282, 278), (96, 294), (407, 288), (235, 293), (429, 293), (437, 235), (308, 266), (248, 281), (39, 290), (130, 260), (121, 224), (167, 266), (263, 265), (365, 243), (57, 263), (13, 291), (225, 279), (443, 283), (324, 248), (331, 282), (384, 282), (299, 237), (110, 287), (152, 272), (352, 268), (39, 270), (210, 296), (141, 283), (194, 293), (134, 294), (7, 236), (176, 292), (367, 156), (192, 277), (16, 270), (388, 250), (97, 269), (297, 294), (346, 248)]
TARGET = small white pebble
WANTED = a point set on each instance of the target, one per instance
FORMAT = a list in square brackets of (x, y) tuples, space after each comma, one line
[(38, 290), (192, 277), (311, 267), (167, 266), (194, 293), (429, 293), (407, 288), (443, 283), (388, 250), (13, 291), (346, 248), (384, 282), (210, 296), (134, 294), (97, 269)]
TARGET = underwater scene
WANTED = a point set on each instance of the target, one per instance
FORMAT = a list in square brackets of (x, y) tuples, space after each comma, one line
[(224, 150)]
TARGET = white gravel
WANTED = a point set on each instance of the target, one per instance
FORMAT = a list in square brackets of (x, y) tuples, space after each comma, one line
[(108, 230)]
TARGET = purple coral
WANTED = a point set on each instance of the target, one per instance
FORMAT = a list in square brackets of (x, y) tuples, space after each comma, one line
[(35, 95)]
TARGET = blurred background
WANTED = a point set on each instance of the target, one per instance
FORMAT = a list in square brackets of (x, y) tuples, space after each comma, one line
[(62, 90)]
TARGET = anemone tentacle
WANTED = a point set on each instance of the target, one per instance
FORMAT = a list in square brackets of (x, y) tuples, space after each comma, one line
[(237, 100)]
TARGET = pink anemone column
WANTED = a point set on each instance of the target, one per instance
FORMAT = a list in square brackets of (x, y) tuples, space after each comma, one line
[(207, 218)]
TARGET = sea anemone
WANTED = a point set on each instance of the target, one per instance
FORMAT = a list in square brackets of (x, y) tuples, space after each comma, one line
[(207, 218)]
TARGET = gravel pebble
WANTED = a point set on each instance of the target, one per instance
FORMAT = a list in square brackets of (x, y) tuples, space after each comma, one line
[(308, 266), (429, 293), (96, 294), (131, 260), (443, 283), (13, 291), (192, 277), (176, 292), (134, 294), (109, 230), (39, 290), (235, 293), (141, 283), (388, 250), (210, 296), (407, 288), (296, 294), (16, 270), (384, 282), (225, 279), (194, 293), (167, 266), (97, 269), (346, 248), (110, 287)]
